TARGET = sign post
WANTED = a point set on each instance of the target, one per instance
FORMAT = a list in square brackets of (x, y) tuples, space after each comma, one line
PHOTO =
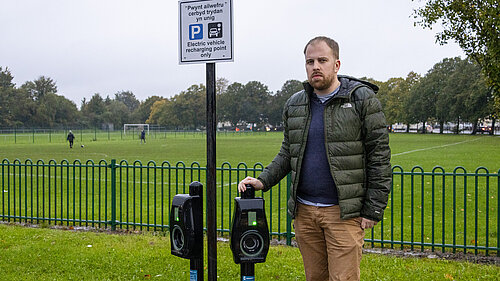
[(206, 36)]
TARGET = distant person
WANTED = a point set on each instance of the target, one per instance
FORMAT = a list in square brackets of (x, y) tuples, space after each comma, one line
[(336, 147), (70, 138), (143, 136)]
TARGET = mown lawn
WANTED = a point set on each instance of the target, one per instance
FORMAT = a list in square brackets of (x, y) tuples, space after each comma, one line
[(54, 254)]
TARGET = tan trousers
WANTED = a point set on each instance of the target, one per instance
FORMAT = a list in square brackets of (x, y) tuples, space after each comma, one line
[(331, 247)]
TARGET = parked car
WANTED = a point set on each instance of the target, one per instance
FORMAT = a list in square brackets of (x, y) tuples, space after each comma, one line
[(483, 129)]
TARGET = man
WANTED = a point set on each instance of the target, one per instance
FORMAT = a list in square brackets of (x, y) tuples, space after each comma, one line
[(70, 138), (143, 136), (336, 147)]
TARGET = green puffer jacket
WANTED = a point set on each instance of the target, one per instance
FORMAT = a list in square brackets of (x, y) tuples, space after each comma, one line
[(357, 143)]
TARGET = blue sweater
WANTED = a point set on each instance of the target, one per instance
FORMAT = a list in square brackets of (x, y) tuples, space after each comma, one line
[(316, 184)]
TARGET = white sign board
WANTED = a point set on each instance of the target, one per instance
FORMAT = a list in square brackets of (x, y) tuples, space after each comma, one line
[(205, 31)]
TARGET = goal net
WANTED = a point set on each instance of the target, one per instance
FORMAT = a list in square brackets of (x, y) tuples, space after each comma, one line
[(135, 128)]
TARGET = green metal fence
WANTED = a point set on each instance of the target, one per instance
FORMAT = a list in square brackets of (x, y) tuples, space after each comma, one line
[(437, 210)]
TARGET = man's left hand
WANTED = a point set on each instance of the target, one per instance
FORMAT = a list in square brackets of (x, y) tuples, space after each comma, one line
[(366, 223)]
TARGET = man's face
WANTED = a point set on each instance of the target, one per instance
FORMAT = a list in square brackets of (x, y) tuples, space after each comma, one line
[(321, 67)]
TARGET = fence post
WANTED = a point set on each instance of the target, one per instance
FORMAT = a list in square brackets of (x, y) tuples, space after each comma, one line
[(288, 217), (113, 194)]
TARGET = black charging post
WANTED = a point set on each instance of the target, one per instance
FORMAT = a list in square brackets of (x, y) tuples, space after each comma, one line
[(249, 233), (186, 228), (247, 269)]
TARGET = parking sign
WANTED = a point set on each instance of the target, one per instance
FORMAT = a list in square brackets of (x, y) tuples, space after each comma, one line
[(205, 31)]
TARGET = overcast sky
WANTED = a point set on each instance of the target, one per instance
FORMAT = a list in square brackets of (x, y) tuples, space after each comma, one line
[(106, 46)]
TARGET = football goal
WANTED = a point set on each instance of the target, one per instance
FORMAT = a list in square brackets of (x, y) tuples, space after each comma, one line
[(135, 128)]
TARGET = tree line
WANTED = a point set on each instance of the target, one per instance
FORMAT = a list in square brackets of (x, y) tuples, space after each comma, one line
[(454, 90)]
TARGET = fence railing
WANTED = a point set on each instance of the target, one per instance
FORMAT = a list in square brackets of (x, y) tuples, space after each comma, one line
[(437, 210)]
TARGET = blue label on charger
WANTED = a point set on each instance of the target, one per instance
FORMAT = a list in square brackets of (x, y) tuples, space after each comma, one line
[(193, 275), (248, 278)]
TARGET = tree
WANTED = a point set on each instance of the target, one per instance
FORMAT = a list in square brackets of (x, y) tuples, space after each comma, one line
[(421, 102), (411, 80), (470, 93), (162, 113), (190, 106), (448, 106), (389, 95), (453, 90), (394, 95), (229, 104), (17, 107), (155, 114), (23, 109), (474, 25), (40, 87), (221, 85), (185, 110), (255, 97), (141, 114), (277, 101), (7, 92), (54, 110), (6, 78), (430, 98), (93, 110), (117, 113), (128, 98), (244, 103)]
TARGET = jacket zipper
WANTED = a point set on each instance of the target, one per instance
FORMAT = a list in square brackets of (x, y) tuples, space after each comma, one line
[(329, 104)]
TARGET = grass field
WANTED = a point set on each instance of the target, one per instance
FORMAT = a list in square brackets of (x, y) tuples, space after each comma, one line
[(48, 254), (408, 151)]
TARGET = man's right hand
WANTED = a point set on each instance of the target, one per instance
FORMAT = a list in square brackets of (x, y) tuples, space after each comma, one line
[(257, 184)]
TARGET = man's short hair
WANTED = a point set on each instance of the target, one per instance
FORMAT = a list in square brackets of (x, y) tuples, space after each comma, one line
[(329, 41)]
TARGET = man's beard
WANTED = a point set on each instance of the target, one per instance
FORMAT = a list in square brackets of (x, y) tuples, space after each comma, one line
[(322, 84)]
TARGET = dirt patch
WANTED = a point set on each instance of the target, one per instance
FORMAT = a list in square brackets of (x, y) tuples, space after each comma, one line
[(457, 256)]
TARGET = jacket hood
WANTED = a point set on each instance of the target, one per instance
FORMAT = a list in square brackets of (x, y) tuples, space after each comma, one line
[(347, 84)]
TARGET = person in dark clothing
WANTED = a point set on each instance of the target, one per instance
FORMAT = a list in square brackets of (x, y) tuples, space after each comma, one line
[(70, 138), (143, 136), (336, 147)]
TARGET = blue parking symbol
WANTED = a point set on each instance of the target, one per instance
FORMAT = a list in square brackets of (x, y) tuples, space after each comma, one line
[(195, 31)]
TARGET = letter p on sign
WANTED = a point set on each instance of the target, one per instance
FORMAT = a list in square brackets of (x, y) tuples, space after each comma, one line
[(195, 31)]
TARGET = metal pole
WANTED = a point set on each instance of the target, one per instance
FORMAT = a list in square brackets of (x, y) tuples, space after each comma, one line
[(211, 176), (196, 264), (113, 194), (247, 272), (288, 217)]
